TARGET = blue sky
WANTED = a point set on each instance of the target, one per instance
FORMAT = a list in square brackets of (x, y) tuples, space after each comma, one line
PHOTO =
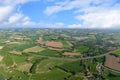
[(60, 13)]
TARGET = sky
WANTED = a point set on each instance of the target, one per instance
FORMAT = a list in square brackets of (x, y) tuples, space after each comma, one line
[(60, 13)]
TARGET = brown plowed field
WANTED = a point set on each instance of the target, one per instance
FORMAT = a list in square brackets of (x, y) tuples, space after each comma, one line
[(112, 62), (54, 44), (71, 54)]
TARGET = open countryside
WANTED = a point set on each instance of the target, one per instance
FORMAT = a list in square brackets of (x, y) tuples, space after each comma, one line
[(59, 39), (59, 56)]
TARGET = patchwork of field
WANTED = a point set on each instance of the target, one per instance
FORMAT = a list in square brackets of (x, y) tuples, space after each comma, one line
[(64, 69), (37, 54), (45, 65), (51, 75)]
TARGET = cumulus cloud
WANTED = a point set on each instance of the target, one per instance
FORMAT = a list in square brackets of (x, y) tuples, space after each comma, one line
[(90, 13), (4, 12), (17, 20), (67, 5), (105, 19), (95, 13), (78, 4), (8, 16)]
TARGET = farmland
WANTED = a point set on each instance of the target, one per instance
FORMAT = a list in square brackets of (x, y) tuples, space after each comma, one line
[(112, 62), (59, 54)]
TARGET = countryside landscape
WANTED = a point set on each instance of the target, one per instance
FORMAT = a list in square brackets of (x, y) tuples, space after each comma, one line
[(59, 39), (59, 54)]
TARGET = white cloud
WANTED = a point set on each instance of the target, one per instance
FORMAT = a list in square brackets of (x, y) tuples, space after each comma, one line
[(95, 13), (14, 2), (78, 5), (8, 15), (52, 9), (68, 5), (4, 12), (105, 19), (15, 18), (61, 6)]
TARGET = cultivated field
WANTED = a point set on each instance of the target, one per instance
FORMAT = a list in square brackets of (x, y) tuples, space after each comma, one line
[(34, 49), (25, 67), (57, 49), (1, 47), (54, 44), (112, 62), (40, 40), (71, 54), (58, 54), (14, 43), (16, 52), (1, 58)]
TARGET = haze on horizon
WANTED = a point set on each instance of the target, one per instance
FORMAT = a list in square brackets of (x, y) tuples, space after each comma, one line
[(60, 14)]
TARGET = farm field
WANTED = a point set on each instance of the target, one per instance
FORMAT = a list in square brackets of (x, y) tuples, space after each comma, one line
[(54, 44), (57, 54), (34, 49), (112, 62), (117, 53)]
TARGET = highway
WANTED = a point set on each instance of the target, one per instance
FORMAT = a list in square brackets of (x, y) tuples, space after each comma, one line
[(72, 59)]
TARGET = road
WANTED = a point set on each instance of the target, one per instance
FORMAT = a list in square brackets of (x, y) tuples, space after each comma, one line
[(110, 69), (72, 59)]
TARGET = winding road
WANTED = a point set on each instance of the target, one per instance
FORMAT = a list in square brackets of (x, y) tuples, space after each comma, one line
[(72, 59)]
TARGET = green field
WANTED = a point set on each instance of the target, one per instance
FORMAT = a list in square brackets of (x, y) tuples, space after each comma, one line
[(51, 75), (81, 49), (34, 49), (48, 52), (78, 76), (46, 64), (8, 60), (1, 77), (19, 58), (65, 44), (18, 75), (72, 67), (21, 47), (118, 53), (27, 59)]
